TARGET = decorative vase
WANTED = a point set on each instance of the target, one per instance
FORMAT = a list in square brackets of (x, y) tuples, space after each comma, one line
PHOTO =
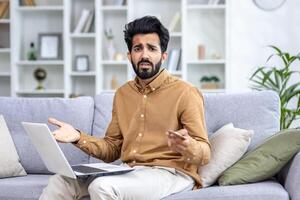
[(111, 50)]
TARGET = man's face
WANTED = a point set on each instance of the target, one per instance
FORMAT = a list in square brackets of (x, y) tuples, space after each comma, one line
[(146, 56)]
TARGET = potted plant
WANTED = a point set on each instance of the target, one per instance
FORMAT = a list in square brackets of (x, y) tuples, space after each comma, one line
[(209, 82), (278, 80)]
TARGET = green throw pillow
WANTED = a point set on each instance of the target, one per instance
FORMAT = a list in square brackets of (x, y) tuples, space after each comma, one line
[(265, 160)]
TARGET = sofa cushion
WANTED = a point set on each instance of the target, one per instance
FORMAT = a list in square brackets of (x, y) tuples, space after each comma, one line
[(78, 112), (23, 188), (265, 161), (256, 110), (228, 145), (259, 191), (9, 159)]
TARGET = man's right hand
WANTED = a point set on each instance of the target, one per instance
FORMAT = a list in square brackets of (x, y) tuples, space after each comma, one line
[(65, 133)]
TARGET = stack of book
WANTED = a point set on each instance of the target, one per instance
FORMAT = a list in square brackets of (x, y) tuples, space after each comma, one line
[(85, 22), (174, 60), (4, 9), (28, 3)]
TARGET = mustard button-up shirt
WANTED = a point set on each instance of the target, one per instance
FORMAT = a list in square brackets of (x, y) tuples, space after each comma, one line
[(141, 116)]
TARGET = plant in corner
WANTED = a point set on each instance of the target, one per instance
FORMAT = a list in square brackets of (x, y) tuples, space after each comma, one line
[(278, 80)]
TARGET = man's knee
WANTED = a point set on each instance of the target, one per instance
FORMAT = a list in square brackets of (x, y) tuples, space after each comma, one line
[(104, 189)]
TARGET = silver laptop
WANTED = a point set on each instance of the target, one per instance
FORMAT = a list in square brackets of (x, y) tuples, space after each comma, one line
[(55, 160)]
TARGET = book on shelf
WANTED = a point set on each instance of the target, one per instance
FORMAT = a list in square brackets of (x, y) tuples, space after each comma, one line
[(85, 13), (4, 9), (174, 60), (174, 22), (89, 22), (28, 3)]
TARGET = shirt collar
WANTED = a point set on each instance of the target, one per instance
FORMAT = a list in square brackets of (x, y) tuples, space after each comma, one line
[(154, 84)]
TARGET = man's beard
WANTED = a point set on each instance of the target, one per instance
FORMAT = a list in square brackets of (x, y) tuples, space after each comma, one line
[(145, 74)]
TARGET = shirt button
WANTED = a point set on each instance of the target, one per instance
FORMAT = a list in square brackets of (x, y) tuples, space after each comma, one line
[(84, 142), (142, 115), (188, 159), (145, 96), (140, 134)]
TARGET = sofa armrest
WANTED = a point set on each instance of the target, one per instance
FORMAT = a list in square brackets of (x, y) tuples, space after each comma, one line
[(289, 177)]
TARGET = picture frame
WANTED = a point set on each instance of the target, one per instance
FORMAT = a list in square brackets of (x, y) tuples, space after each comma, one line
[(50, 46), (82, 63)]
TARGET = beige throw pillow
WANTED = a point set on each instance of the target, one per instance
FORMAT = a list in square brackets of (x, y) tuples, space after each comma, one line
[(9, 160), (228, 145)]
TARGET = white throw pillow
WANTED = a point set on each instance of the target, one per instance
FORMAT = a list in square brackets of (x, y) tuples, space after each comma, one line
[(9, 160), (228, 145)]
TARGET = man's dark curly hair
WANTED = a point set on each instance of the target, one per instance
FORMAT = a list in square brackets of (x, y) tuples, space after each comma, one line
[(144, 25)]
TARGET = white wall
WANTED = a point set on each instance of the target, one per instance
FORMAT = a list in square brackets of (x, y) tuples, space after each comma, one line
[(251, 30)]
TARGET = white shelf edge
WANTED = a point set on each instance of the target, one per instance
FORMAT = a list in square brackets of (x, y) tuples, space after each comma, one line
[(4, 21), (176, 73), (114, 8), (4, 50), (82, 35), (206, 61), (40, 8), (206, 7), (212, 90), (5, 74), (83, 73), (175, 34), (41, 62), (108, 91), (50, 91)]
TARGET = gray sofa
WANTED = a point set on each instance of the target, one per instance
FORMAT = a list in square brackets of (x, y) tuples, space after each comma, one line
[(254, 110)]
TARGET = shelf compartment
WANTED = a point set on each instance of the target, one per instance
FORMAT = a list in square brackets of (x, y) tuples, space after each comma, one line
[(5, 86), (83, 86)]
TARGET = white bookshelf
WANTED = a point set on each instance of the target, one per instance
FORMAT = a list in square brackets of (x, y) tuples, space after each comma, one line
[(200, 23), (5, 56)]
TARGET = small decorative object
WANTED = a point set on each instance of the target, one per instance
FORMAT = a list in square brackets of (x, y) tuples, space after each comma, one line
[(201, 51), (119, 57), (215, 56), (32, 52), (110, 47), (114, 83), (50, 46), (75, 95), (82, 63), (269, 5), (40, 75), (209, 82)]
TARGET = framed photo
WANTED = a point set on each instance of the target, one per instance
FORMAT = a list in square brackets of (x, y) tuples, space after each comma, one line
[(82, 63), (50, 46)]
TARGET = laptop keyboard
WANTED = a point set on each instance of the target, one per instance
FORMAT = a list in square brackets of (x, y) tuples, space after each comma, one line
[(86, 169)]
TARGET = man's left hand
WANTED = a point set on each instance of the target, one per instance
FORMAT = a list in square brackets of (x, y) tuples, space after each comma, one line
[(177, 144)]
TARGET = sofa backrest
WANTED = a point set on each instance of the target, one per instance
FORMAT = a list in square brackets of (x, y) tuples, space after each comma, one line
[(78, 112), (259, 111)]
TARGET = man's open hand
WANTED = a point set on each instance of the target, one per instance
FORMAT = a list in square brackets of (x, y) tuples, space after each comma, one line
[(65, 133), (177, 144)]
